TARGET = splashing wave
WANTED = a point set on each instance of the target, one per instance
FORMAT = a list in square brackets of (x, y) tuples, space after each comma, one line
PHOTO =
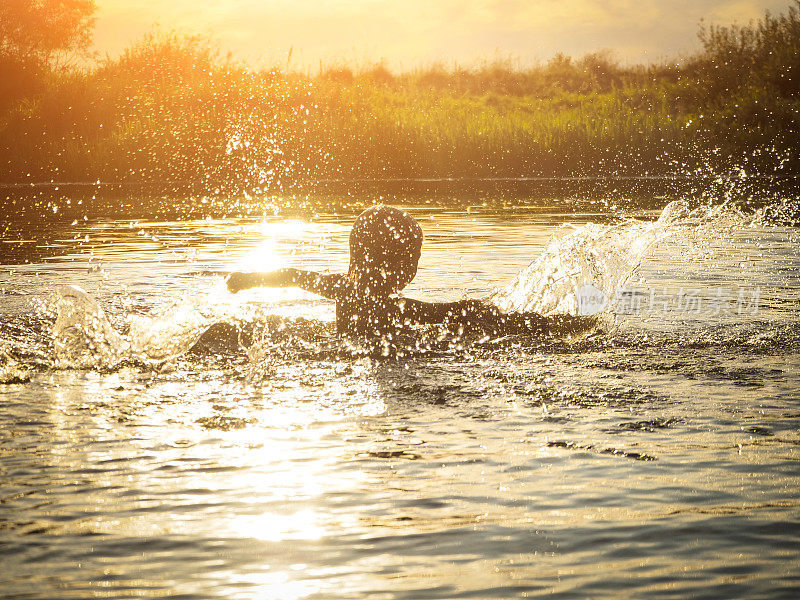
[(604, 257), (85, 338)]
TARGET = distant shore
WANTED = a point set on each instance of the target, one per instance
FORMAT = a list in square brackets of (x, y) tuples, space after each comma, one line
[(172, 110), (35, 204)]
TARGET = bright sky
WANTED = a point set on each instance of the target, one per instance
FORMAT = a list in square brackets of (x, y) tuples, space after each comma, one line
[(408, 33)]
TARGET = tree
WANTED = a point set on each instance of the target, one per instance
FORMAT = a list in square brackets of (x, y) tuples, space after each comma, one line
[(44, 29), (34, 35)]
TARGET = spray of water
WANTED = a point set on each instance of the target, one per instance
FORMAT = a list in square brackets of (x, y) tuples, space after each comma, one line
[(85, 338), (11, 370), (598, 258)]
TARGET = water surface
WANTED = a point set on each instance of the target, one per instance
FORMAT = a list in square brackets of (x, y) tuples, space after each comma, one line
[(656, 457)]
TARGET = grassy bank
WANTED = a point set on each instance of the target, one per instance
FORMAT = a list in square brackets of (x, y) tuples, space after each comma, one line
[(172, 109)]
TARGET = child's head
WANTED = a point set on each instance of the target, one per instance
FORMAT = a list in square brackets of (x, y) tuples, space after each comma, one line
[(385, 245)]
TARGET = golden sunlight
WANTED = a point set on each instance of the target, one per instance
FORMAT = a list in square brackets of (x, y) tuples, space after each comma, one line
[(562, 357), (286, 244)]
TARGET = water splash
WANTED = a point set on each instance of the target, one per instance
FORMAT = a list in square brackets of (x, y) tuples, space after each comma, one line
[(85, 338), (593, 257), (11, 371), (603, 258)]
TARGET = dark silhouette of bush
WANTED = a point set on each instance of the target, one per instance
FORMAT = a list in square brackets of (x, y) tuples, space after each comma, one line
[(765, 54), (171, 108), (36, 35)]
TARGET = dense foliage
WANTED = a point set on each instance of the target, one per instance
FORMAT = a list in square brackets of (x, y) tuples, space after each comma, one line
[(172, 109)]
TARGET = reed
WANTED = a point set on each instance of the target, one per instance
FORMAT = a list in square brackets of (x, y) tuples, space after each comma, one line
[(173, 109)]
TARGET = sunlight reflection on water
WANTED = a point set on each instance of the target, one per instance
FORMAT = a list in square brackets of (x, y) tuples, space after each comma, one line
[(659, 459)]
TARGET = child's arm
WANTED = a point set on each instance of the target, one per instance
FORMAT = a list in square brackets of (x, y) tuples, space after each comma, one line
[(469, 314), (475, 315), (430, 313), (324, 285)]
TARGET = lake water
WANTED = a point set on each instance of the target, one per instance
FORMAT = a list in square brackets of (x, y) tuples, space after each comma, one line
[(657, 457)]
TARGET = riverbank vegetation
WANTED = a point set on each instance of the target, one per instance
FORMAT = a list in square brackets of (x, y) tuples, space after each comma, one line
[(172, 109)]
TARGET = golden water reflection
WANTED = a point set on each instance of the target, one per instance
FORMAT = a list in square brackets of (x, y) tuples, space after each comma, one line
[(266, 482), (313, 474)]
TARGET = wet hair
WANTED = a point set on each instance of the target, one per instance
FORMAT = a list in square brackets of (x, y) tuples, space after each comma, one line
[(387, 241)]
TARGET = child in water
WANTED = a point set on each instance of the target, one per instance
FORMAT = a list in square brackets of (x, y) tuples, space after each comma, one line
[(385, 246)]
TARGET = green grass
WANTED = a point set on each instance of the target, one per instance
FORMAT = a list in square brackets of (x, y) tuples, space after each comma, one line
[(171, 109)]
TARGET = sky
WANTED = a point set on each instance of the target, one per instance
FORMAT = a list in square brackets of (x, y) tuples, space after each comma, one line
[(410, 33)]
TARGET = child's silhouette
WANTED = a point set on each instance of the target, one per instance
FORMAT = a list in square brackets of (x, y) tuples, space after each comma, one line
[(385, 246)]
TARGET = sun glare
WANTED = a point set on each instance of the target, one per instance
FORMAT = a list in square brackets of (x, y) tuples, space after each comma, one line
[(264, 257)]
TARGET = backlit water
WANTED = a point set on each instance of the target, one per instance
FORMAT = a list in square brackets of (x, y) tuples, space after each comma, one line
[(657, 457)]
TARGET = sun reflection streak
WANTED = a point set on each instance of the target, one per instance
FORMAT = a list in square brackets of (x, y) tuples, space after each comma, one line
[(273, 527), (264, 484), (166, 465), (273, 472), (273, 586)]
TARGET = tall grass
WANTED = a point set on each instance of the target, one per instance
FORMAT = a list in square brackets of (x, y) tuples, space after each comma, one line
[(172, 109)]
